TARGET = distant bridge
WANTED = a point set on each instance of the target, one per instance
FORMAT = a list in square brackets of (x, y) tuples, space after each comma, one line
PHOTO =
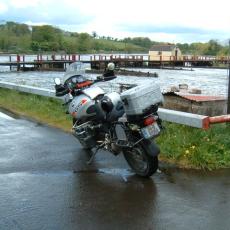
[(60, 62)]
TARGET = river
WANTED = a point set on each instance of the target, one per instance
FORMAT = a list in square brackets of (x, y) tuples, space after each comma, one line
[(210, 81)]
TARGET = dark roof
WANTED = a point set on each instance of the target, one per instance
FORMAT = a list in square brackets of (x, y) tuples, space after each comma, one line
[(162, 48)]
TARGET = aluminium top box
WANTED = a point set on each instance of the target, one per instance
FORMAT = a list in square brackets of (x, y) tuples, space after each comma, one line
[(139, 98)]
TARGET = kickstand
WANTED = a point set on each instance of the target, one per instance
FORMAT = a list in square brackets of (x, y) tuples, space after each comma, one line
[(94, 153)]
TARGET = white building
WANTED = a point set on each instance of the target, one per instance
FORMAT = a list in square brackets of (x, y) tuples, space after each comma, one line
[(164, 53)]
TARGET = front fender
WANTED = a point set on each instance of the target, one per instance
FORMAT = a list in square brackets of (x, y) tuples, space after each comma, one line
[(151, 147)]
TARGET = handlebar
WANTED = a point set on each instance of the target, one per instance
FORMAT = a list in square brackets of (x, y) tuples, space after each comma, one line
[(106, 78), (62, 90)]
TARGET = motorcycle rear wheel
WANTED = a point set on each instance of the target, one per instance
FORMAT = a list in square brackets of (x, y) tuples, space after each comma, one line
[(140, 161)]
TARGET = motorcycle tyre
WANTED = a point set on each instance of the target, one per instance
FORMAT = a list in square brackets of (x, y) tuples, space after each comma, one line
[(152, 162)]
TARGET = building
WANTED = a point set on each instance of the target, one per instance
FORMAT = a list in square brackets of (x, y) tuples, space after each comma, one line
[(198, 104), (164, 53)]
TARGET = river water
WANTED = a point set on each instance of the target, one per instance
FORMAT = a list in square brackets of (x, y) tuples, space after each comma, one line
[(210, 81)]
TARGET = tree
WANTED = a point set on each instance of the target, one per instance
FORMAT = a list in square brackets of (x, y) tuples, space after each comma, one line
[(14, 36), (48, 37), (94, 34), (213, 48), (84, 42)]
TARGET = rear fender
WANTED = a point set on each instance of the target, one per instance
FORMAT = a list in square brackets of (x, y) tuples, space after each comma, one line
[(151, 147)]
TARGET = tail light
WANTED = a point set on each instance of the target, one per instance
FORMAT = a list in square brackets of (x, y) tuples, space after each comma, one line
[(149, 120)]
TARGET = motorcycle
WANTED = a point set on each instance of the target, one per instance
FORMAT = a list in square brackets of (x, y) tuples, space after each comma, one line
[(124, 122)]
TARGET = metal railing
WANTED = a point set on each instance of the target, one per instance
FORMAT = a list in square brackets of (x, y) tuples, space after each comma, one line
[(109, 57)]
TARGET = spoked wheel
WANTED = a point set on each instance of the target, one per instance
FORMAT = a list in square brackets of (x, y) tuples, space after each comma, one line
[(143, 164)]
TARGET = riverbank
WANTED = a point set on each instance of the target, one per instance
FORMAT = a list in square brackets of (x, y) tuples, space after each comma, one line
[(182, 146)]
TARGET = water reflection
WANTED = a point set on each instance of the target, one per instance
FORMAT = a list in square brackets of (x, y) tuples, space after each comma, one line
[(108, 201)]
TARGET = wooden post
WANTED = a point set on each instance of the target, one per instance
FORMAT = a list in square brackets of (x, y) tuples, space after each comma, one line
[(10, 62), (228, 107), (23, 58), (18, 62), (73, 57), (18, 58)]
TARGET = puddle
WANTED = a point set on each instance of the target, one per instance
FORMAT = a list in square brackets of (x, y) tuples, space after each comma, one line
[(123, 173)]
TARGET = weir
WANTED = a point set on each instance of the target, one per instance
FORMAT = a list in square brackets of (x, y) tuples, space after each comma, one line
[(99, 62)]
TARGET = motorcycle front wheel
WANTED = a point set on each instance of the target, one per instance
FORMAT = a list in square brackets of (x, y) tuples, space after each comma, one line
[(140, 161)]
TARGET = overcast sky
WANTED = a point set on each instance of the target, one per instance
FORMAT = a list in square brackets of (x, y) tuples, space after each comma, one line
[(167, 20)]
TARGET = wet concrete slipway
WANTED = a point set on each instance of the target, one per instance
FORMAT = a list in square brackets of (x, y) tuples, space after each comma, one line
[(45, 183)]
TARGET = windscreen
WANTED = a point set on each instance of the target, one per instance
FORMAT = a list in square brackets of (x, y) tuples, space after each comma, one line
[(76, 72), (76, 68)]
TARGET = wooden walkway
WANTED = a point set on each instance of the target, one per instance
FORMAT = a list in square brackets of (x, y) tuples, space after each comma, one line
[(60, 62)]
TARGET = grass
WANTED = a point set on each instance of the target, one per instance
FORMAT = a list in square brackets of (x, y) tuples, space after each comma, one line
[(184, 146), (43, 109), (196, 148)]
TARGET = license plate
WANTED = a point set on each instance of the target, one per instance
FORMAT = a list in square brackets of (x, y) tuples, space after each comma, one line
[(150, 131)]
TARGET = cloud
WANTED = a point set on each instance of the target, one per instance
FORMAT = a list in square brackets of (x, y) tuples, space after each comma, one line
[(175, 29), (3, 7), (159, 20), (48, 12), (24, 3)]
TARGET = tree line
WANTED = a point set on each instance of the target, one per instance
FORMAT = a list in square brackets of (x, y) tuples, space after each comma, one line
[(17, 37)]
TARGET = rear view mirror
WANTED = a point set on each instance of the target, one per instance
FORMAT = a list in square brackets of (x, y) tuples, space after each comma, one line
[(57, 81)]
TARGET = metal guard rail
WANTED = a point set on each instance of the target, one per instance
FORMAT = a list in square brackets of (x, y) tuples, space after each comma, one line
[(189, 119)]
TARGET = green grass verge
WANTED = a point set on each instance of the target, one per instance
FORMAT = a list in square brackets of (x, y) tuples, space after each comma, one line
[(196, 148), (43, 109), (184, 146)]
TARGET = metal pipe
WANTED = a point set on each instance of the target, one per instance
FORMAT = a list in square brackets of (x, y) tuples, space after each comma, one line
[(219, 119), (228, 106)]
